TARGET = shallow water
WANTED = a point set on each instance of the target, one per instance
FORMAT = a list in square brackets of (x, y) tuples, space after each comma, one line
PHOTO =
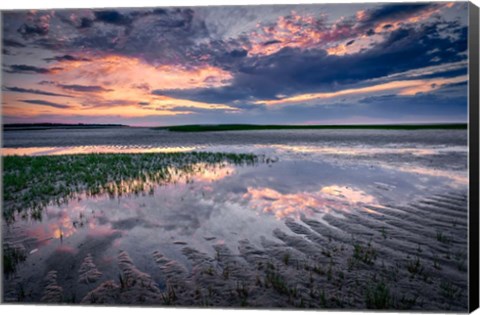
[(319, 227)]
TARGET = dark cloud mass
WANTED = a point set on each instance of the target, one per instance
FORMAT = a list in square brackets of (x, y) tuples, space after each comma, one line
[(311, 71)]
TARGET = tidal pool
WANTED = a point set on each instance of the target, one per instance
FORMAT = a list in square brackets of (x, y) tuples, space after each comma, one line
[(309, 224)]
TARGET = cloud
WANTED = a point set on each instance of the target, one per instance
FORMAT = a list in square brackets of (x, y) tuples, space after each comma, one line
[(31, 69), (293, 71), (45, 103), (224, 60), (32, 30), (405, 87), (85, 22), (310, 31), (397, 12), (31, 91), (84, 88), (165, 36), (112, 17), (12, 43), (37, 25), (66, 58)]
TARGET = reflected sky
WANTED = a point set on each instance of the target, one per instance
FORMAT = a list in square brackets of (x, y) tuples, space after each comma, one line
[(334, 197), (225, 203), (365, 150), (93, 149), (385, 155)]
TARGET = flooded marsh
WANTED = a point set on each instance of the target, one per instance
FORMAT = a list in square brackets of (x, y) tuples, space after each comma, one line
[(263, 219)]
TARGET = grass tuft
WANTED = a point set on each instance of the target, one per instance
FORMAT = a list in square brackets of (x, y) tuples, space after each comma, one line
[(378, 296)]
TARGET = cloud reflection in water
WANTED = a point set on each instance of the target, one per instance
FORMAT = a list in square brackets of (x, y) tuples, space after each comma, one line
[(334, 197)]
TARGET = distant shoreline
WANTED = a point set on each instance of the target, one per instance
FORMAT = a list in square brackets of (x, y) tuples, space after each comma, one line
[(47, 126), (242, 127), (238, 127)]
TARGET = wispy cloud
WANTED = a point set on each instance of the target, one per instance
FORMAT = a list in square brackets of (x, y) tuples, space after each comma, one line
[(84, 88), (66, 58), (32, 91), (27, 69), (406, 87), (45, 103)]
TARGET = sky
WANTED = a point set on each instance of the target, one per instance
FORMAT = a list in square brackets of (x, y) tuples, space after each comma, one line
[(337, 63)]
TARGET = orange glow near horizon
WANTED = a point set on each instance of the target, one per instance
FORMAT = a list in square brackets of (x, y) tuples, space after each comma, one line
[(119, 86)]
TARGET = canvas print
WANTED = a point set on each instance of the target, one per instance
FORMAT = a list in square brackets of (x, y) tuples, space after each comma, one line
[(272, 156)]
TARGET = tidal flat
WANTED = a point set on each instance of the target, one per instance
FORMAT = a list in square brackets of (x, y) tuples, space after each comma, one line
[(337, 219)]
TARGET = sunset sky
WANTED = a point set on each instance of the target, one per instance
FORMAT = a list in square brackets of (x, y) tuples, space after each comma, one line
[(296, 64)]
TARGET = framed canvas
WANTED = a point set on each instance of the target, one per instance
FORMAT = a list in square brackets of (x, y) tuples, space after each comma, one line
[(273, 156)]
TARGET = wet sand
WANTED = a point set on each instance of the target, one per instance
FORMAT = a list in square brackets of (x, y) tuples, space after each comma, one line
[(376, 220)]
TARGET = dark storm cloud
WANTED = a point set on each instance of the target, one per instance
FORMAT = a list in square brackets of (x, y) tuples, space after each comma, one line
[(45, 103), (84, 88), (126, 18), (66, 58), (26, 69), (31, 91), (163, 36)]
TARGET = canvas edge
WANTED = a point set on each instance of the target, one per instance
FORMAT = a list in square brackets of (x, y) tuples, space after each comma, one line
[(473, 83), (474, 131)]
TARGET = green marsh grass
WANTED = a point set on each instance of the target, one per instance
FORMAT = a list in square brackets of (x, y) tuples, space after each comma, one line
[(33, 182), (242, 127), (378, 296), (12, 256)]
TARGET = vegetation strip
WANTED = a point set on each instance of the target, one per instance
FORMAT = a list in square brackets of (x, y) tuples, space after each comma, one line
[(240, 127)]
